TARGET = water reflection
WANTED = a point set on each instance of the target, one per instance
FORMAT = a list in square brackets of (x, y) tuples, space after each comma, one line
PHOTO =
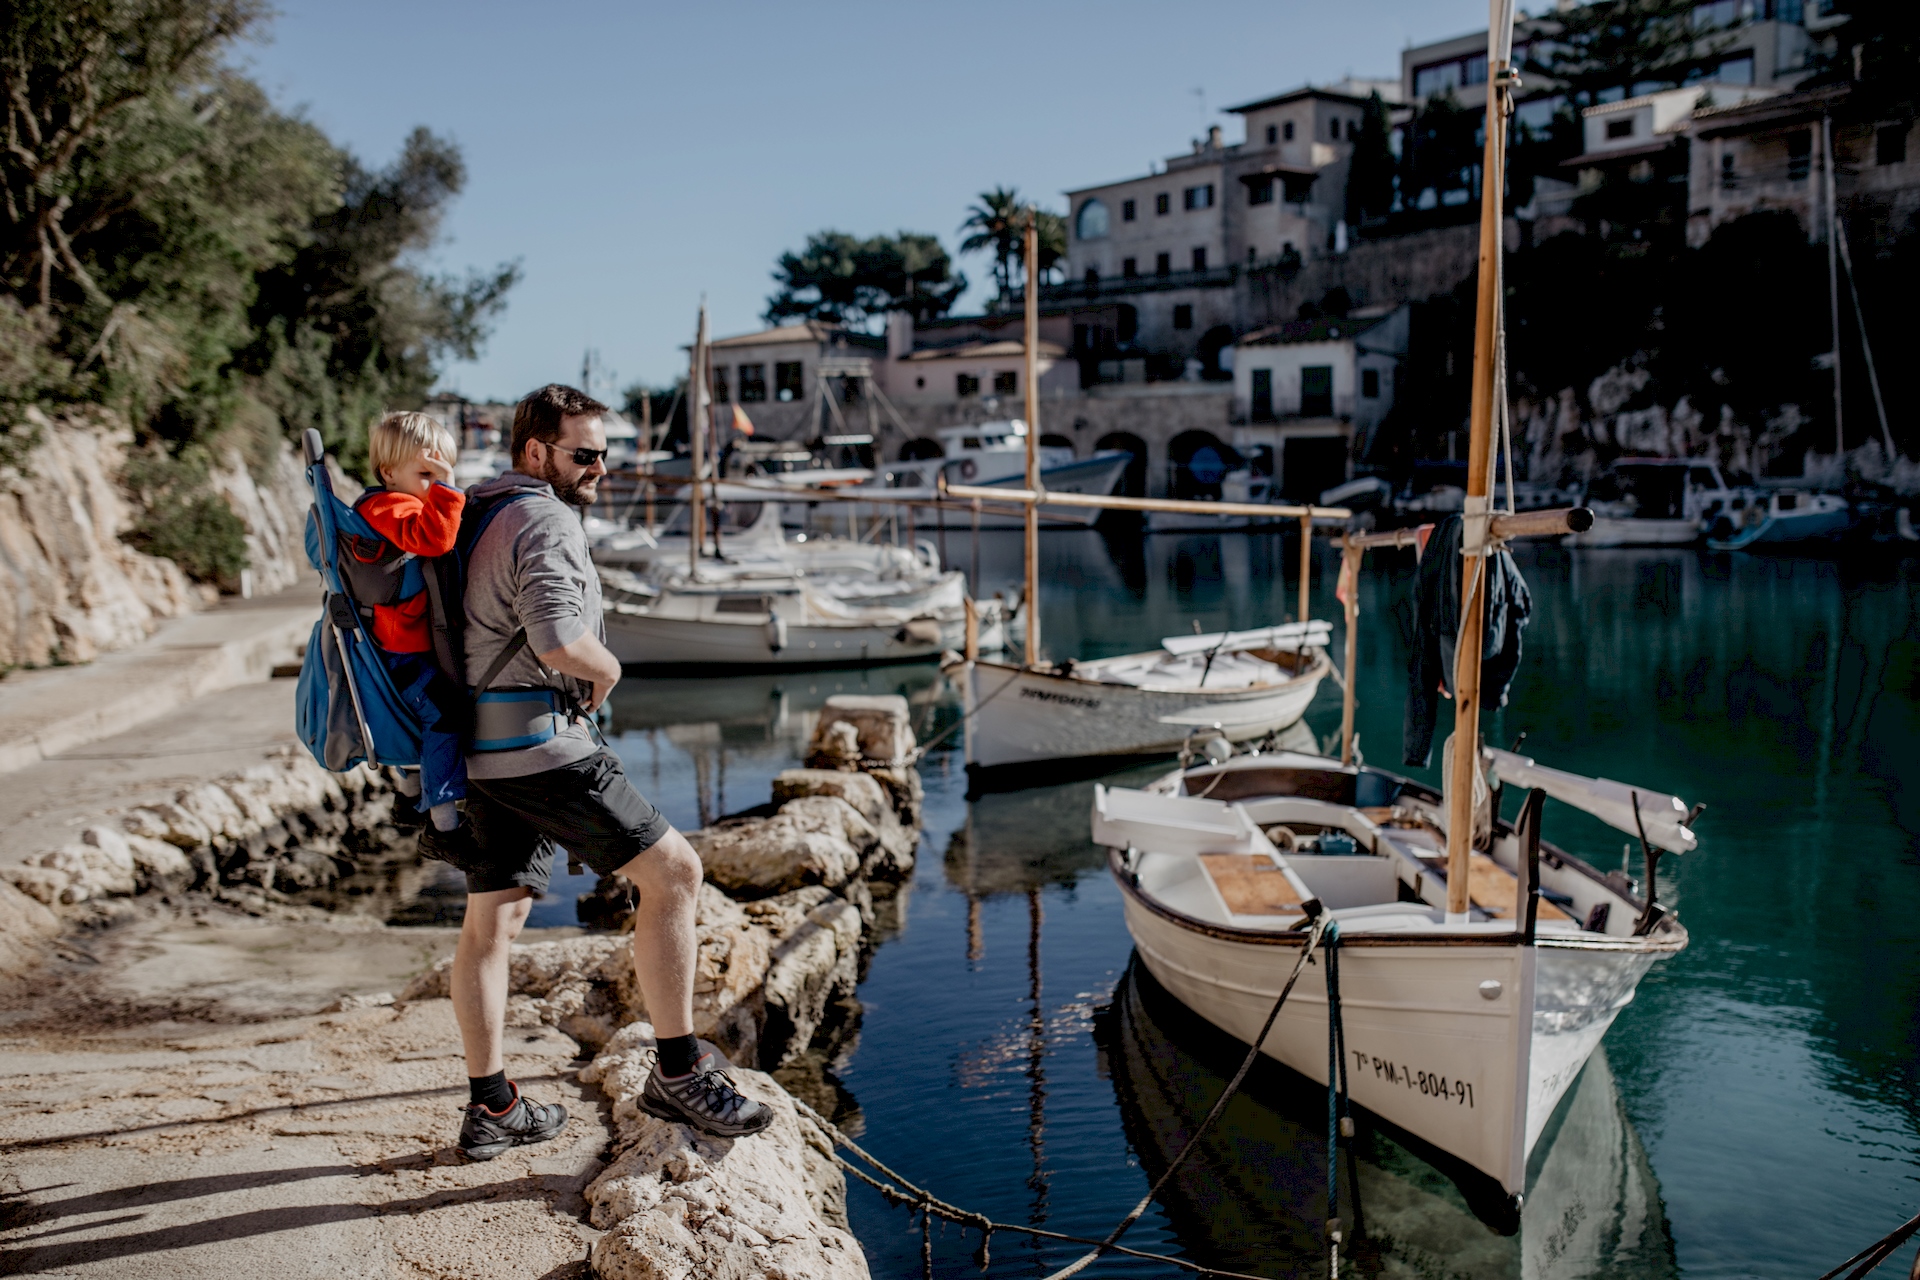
[(1253, 1197)]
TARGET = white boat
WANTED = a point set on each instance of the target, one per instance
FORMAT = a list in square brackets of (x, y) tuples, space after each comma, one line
[(1463, 1033), (993, 454), (1248, 684), (1778, 517), (1655, 502), (732, 617), (1242, 485)]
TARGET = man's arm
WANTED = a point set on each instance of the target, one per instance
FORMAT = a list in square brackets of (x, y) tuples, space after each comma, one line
[(585, 658)]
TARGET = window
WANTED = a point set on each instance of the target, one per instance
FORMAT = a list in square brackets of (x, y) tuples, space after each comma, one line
[(1162, 202), (1716, 14), (1260, 191), (1728, 178), (1890, 144), (787, 381), (720, 393), (1333, 129), (920, 383), (964, 385), (1440, 77), (1273, 134), (1261, 404), (1799, 155), (1353, 131), (1006, 383), (1091, 222), (1316, 391), (1370, 383), (1252, 256), (1287, 130), (1200, 259), (1183, 316), (1126, 211), (1093, 281), (1736, 70), (753, 382), (1620, 128), (1129, 267), (1163, 264), (1198, 197)]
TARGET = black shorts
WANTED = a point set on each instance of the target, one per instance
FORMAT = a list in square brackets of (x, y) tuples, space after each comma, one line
[(587, 808)]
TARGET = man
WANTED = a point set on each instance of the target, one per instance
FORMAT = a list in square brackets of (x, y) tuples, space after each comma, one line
[(534, 633)]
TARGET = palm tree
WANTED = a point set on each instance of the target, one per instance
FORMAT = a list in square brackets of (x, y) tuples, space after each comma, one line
[(997, 225)]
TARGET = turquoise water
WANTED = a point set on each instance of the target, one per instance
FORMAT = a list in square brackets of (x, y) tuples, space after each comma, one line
[(1756, 1111)]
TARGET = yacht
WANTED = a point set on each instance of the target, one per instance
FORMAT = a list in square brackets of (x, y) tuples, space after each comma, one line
[(1655, 502)]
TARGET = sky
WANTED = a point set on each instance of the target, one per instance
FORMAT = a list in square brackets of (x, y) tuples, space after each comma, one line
[(636, 158)]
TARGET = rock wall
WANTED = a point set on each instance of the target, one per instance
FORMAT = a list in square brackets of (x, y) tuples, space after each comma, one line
[(72, 589)]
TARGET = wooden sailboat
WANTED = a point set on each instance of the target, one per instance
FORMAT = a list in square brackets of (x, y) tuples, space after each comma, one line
[(1481, 965), (1246, 685)]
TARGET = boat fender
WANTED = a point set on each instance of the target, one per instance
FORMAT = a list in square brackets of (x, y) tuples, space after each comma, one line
[(776, 633)]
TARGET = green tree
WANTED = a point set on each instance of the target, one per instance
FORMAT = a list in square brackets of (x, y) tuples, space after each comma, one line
[(996, 225), (1370, 173), (847, 280), (1623, 45), (1876, 46), (1439, 151)]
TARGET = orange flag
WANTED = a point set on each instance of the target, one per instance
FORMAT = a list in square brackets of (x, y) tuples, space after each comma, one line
[(742, 423)]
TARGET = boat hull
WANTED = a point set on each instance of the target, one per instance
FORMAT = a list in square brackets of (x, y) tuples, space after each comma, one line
[(1426, 1051), (639, 638), (1786, 530), (1017, 716), (1616, 531)]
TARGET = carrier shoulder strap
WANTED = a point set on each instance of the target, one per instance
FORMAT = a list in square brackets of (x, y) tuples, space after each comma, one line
[(479, 517), (514, 646)]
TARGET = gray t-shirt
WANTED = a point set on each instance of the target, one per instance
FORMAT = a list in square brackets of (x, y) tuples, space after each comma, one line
[(530, 569)]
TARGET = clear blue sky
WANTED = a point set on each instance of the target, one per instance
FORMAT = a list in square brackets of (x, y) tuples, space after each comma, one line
[(636, 156)]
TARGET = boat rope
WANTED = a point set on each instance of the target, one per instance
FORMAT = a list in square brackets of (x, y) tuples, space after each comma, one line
[(1339, 1122), (1878, 1252), (921, 752), (1320, 925), (896, 1189)]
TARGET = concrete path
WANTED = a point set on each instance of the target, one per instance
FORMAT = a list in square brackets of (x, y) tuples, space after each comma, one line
[(49, 712), (156, 1124)]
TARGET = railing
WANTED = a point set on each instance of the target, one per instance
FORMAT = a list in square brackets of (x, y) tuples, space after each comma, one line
[(1118, 286)]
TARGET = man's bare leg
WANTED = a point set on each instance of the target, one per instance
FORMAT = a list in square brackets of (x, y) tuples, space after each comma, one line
[(479, 992), (668, 878)]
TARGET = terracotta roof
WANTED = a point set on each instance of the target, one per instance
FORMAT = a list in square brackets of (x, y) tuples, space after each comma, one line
[(984, 350), (805, 331)]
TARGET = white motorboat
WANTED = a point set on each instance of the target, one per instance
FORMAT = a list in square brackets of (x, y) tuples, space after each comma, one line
[(1248, 684), (1242, 485), (1464, 1033), (993, 454), (1780, 517), (1655, 502)]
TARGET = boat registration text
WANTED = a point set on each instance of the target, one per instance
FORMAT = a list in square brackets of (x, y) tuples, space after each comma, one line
[(1048, 695), (1430, 1084)]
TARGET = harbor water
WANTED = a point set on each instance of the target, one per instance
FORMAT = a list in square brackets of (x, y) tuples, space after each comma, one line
[(1754, 1112)]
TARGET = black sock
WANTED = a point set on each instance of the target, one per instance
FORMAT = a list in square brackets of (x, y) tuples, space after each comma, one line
[(492, 1092), (678, 1054)]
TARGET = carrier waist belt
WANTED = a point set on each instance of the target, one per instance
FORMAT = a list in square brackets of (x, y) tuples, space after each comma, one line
[(508, 719)]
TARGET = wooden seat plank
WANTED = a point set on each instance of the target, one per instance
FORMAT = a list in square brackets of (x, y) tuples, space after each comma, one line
[(1251, 884)]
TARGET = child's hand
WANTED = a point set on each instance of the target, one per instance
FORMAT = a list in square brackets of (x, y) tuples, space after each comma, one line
[(441, 468)]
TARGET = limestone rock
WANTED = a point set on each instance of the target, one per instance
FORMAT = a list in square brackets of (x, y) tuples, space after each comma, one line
[(677, 1204), (812, 840), (159, 867), (24, 924), (890, 857), (835, 745), (879, 721)]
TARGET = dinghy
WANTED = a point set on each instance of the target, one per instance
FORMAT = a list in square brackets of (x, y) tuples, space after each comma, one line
[(1463, 1032), (1782, 517), (1244, 684)]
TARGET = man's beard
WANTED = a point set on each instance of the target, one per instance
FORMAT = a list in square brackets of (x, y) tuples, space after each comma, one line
[(578, 492)]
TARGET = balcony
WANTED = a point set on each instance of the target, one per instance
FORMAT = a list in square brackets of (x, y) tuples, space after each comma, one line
[(1121, 286)]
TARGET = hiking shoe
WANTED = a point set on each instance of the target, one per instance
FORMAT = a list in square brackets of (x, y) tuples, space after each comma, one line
[(706, 1099), (486, 1135)]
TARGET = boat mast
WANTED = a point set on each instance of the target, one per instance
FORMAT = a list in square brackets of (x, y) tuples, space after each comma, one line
[(1033, 435), (1464, 766), (1833, 276), (696, 409)]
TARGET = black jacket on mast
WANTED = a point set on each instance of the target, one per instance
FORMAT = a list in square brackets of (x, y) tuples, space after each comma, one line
[(1436, 629)]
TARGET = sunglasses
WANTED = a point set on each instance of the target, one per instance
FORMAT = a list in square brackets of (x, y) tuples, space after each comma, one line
[(581, 457)]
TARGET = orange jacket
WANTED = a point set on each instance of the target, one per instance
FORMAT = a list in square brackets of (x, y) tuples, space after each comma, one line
[(422, 527)]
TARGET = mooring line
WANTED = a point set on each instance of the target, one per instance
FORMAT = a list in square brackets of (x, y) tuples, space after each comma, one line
[(1878, 1252)]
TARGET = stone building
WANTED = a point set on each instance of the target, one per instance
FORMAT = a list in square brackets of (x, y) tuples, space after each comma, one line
[(775, 375)]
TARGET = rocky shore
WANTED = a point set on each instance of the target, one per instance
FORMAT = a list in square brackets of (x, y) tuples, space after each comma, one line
[(796, 889)]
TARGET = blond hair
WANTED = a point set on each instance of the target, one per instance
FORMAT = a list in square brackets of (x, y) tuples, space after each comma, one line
[(397, 437)]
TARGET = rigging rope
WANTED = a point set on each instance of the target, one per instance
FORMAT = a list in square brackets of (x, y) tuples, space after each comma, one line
[(1339, 1124), (898, 1189)]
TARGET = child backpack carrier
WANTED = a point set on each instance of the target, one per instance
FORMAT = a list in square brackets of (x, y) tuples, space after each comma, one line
[(347, 711)]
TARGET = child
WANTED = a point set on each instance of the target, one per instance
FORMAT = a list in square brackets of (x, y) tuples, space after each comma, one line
[(416, 508)]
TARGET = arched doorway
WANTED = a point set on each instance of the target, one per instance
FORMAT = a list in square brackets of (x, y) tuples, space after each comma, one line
[(1212, 343), (1053, 440), (1133, 481), (1197, 461), (921, 448)]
